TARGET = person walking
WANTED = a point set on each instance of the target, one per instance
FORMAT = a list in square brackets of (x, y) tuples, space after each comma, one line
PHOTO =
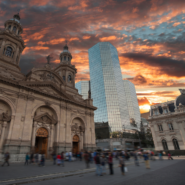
[(58, 159), (136, 158), (70, 156), (32, 158), (169, 156), (87, 159), (54, 158), (62, 158), (103, 163), (26, 159), (42, 161), (146, 159), (110, 162), (36, 157), (160, 155), (6, 159), (98, 164), (122, 164)]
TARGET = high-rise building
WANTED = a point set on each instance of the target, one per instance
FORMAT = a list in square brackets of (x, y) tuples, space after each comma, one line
[(132, 103), (107, 87), (83, 88)]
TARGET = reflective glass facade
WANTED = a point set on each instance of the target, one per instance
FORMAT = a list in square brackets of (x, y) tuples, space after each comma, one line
[(132, 103), (107, 88), (83, 88)]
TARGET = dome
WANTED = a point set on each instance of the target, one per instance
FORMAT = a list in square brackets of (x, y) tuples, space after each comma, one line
[(16, 18), (65, 50), (181, 98)]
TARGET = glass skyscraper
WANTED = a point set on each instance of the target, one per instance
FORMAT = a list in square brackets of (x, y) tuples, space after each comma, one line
[(132, 103), (107, 88), (83, 88)]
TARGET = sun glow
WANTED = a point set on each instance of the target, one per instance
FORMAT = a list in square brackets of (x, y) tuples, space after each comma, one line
[(144, 108)]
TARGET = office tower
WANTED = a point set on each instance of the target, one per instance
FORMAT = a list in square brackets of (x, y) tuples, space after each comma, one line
[(132, 102), (107, 87), (83, 88)]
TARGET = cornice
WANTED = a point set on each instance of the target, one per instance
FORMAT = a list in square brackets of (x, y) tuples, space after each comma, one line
[(19, 39), (18, 84), (65, 66)]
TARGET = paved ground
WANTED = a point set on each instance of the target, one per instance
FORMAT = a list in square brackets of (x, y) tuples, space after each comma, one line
[(161, 173)]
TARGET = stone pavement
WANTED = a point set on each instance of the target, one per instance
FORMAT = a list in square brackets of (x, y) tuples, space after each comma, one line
[(75, 172)]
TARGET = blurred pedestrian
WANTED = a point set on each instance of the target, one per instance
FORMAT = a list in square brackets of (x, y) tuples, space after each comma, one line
[(42, 161), (136, 158), (169, 156), (54, 158), (58, 159), (62, 158), (122, 165), (146, 159), (160, 155), (32, 158), (70, 156), (98, 164), (87, 159), (110, 162), (6, 159), (103, 163), (36, 157), (26, 159)]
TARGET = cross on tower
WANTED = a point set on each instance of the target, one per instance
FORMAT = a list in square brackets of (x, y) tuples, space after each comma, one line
[(48, 59)]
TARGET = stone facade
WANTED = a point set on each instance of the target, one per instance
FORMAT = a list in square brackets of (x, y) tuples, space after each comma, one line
[(167, 123), (41, 107)]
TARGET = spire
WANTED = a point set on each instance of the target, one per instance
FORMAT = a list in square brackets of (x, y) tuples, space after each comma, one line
[(17, 16)]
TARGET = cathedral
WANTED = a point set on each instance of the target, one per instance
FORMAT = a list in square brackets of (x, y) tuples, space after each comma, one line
[(41, 112)]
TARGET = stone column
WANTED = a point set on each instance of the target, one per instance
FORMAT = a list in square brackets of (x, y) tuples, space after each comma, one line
[(182, 133), (51, 137), (2, 47), (33, 134), (2, 134), (15, 55), (81, 141), (154, 136)]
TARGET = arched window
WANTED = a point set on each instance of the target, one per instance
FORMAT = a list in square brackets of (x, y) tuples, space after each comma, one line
[(164, 143), (68, 58), (8, 51), (64, 78), (9, 27), (69, 79), (64, 57), (14, 29), (176, 144)]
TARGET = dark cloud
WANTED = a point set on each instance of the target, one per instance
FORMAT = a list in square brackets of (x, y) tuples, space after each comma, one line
[(166, 65)]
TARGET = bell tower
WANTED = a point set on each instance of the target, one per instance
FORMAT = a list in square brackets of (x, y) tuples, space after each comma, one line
[(11, 43), (66, 70)]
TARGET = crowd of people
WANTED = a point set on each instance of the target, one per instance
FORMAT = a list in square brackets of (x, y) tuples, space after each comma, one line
[(101, 159)]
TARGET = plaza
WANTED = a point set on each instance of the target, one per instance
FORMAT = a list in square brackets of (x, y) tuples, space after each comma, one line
[(161, 172)]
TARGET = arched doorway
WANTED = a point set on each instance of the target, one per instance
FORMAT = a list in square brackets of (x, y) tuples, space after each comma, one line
[(75, 144), (41, 141)]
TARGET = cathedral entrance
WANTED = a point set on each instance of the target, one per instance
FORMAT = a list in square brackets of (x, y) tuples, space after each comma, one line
[(75, 144), (41, 141)]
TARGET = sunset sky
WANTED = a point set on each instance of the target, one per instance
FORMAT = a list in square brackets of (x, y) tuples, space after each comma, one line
[(148, 34)]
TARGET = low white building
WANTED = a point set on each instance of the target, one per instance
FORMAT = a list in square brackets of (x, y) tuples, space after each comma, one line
[(167, 122)]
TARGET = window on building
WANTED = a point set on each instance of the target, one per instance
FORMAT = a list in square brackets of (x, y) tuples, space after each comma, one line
[(164, 143), (64, 78), (9, 27), (165, 111), (8, 51), (64, 57), (156, 112), (176, 144), (69, 79), (160, 127), (170, 126), (68, 58), (14, 29)]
